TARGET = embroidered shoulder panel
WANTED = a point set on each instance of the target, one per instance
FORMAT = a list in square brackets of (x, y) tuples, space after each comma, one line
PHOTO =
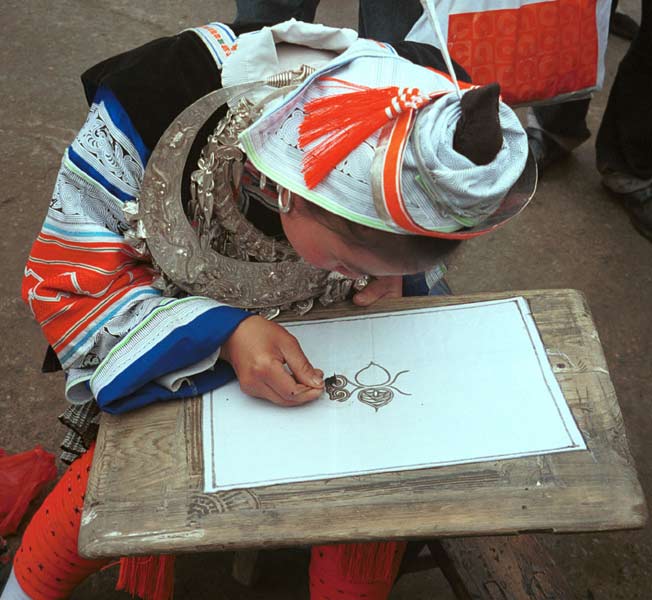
[(107, 150)]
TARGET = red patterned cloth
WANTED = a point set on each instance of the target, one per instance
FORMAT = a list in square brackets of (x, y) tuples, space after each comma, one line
[(536, 51), (22, 477)]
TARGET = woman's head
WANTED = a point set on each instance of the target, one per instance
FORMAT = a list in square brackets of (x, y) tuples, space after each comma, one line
[(389, 145), (331, 242)]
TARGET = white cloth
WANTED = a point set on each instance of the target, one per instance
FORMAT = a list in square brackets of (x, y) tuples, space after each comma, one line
[(173, 381), (12, 590), (270, 50)]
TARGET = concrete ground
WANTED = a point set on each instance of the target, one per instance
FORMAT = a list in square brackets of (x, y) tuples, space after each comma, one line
[(572, 235)]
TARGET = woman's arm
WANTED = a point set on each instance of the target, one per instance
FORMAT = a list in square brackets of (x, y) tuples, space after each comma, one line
[(118, 339)]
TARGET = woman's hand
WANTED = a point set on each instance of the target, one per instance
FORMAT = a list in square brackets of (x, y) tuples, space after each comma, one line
[(258, 351), (388, 286)]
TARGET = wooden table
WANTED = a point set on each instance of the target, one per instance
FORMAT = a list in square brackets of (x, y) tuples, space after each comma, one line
[(145, 491)]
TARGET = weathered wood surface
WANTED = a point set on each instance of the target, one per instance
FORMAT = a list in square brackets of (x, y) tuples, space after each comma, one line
[(145, 491), (500, 568)]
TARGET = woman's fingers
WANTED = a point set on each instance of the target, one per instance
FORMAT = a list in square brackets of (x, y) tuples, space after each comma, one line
[(258, 351), (299, 364), (272, 381), (267, 393), (284, 391), (390, 286)]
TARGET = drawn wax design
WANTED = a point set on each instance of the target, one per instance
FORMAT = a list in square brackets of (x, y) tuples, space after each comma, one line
[(374, 384)]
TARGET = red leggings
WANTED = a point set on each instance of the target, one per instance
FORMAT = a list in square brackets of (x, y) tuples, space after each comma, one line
[(48, 566)]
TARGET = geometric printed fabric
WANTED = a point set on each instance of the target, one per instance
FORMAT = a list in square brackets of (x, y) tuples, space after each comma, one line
[(536, 51)]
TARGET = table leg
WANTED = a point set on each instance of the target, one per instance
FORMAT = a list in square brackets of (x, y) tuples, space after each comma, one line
[(245, 567), (500, 568)]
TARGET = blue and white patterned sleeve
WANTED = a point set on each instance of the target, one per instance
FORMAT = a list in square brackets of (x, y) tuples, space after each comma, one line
[(118, 339)]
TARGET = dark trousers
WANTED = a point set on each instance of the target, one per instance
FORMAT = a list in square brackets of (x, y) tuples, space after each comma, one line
[(624, 141), (382, 20), (387, 20), (264, 12)]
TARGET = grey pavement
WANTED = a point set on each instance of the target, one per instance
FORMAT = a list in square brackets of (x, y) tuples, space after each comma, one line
[(571, 236)]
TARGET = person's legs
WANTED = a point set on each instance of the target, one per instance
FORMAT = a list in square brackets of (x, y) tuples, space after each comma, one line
[(251, 12), (555, 130), (47, 565), (624, 139), (387, 20), (623, 144), (622, 25)]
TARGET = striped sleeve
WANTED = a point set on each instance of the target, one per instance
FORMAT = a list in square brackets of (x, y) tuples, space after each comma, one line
[(219, 39), (118, 339)]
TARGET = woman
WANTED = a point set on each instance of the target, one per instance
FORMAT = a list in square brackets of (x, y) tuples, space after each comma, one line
[(359, 162)]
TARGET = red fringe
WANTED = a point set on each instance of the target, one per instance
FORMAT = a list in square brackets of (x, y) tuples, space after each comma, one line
[(374, 561), (148, 577), (355, 571), (344, 121)]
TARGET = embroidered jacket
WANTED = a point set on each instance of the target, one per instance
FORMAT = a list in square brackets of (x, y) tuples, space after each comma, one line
[(119, 340)]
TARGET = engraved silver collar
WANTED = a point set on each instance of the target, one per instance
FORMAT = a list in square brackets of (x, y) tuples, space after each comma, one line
[(218, 253)]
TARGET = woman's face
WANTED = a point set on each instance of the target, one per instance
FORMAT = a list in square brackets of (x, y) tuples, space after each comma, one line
[(322, 247)]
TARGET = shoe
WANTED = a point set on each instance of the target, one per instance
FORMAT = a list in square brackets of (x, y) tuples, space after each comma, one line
[(544, 149), (627, 187), (641, 218), (636, 197), (623, 26)]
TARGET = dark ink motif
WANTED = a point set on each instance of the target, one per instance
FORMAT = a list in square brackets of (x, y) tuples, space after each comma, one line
[(374, 386), (336, 388)]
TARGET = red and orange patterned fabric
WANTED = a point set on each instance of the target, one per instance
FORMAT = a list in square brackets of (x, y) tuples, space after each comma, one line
[(536, 49)]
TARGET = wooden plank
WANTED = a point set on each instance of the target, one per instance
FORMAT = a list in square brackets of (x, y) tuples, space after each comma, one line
[(145, 491), (500, 568)]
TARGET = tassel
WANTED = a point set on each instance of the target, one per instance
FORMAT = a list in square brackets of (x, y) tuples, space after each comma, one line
[(355, 571), (148, 577), (374, 561), (345, 121)]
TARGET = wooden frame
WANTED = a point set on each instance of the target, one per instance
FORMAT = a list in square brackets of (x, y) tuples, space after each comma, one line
[(145, 490)]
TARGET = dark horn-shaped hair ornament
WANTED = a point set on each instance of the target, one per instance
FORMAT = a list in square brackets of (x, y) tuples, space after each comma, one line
[(478, 134)]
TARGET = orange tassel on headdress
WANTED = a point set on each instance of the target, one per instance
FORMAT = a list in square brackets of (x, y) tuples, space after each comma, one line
[(344, 121)]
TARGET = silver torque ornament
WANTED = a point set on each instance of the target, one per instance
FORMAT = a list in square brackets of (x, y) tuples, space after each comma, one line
[(221, 255)]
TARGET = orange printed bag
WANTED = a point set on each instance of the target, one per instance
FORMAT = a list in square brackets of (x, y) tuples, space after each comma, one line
[(538, 50)]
